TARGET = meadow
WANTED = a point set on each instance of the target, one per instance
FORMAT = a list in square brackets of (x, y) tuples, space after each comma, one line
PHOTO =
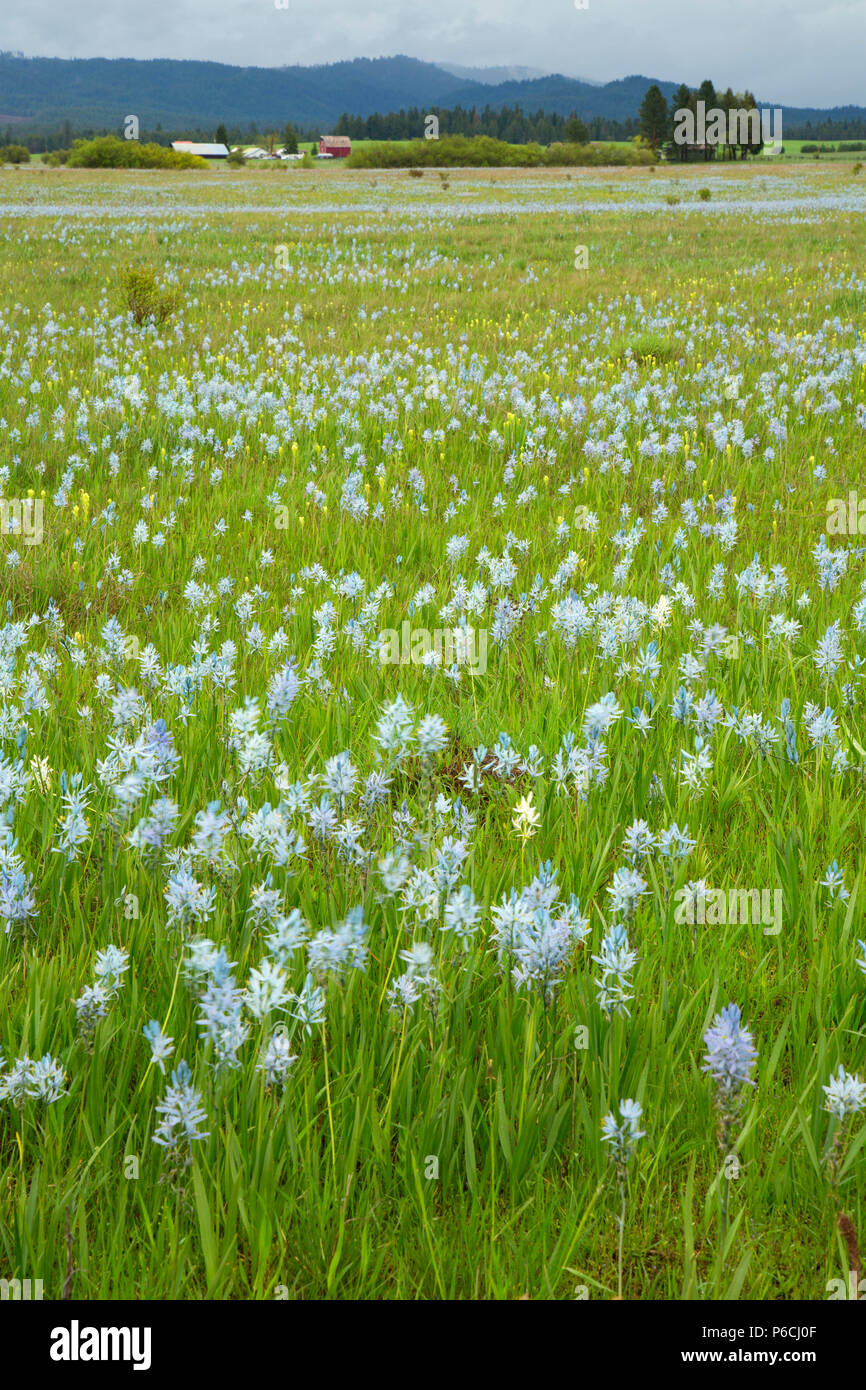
[(328, 976)]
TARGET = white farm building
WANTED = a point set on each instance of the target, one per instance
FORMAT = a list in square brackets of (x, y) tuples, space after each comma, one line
[(203, 151)]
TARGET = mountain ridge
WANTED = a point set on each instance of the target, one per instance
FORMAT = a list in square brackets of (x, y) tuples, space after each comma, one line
[(173, 92)]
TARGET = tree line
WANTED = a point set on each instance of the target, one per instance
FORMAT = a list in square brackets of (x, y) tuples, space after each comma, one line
[(658, 121), (509, 123)]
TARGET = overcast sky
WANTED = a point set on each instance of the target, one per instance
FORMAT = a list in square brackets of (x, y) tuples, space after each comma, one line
[(800, 52)]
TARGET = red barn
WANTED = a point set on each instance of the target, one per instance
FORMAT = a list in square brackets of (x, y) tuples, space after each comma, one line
[(337, 145)]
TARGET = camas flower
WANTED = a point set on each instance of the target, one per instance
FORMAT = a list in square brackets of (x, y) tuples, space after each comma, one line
[(526, 818), (344, 948), (161, 1046), (846, 1094), (30, 1080), (182, 1114), (625, 891), (730, 1054), (461, 914), (624, 1134), (276, 1059), (308, 1007), (617, 962), (834, 882)]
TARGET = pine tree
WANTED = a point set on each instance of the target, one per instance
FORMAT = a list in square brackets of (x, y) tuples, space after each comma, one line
[(682, 100), (653, 117), (708, 95), (574, 131)]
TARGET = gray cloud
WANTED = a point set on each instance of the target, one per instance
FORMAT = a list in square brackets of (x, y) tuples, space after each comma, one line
[(789, 51)]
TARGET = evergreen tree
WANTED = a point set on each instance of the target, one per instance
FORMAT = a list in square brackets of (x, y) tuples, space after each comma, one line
[(708, 95), (751, 105), (575, 132), (682, 100), (726, 101), (653, 117)]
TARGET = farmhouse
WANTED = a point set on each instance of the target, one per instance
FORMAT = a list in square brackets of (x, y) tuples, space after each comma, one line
[(203, 151), (337, 145)]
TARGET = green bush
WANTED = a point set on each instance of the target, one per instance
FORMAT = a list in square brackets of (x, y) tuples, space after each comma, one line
[(107, 152), (704, 194), (559, 156), (482, 151), (236, 157), (54, 158), (14, 154), (143, 298)]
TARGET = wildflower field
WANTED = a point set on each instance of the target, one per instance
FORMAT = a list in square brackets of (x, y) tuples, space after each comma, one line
[(411, 647)]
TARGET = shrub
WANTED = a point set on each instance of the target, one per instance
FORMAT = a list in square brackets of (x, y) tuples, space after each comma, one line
[(482, 151), (54, 158), (562, 156), (416, 173), (107, 152), (704, 194), (143, 297), (236, 157), (14, 154)]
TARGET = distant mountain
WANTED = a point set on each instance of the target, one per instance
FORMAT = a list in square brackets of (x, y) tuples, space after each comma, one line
[(492, 76), (99, 93), (618, 100), (102, 91)]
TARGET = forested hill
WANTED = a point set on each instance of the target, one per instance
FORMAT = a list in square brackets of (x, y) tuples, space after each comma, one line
[(100, 92)]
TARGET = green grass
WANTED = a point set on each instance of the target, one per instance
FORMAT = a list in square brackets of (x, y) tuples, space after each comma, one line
[(794, 148), (325, 1189)]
